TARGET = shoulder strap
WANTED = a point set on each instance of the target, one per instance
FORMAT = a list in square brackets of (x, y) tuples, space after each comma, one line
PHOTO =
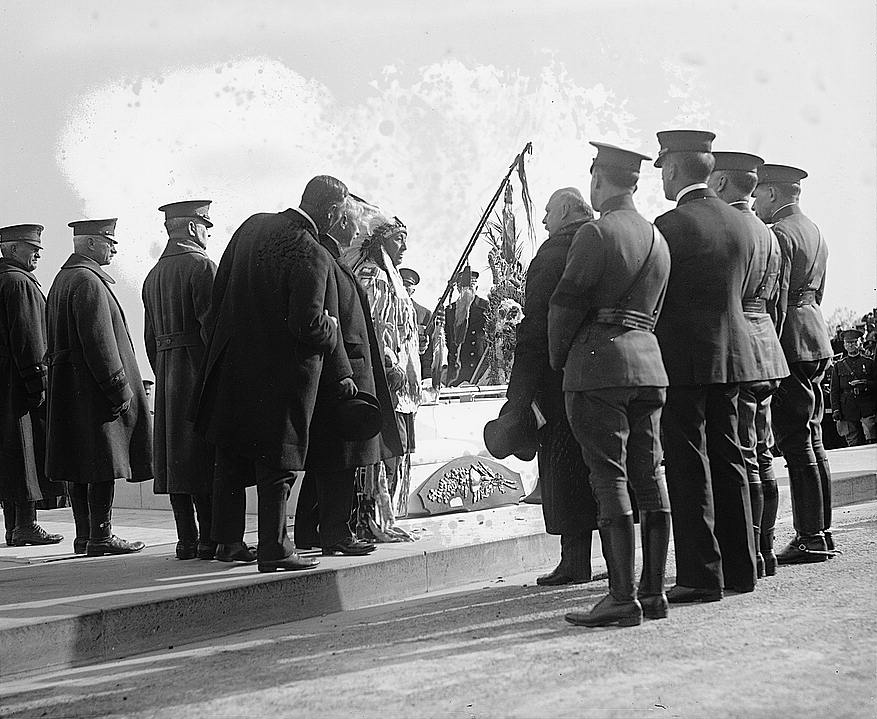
[(625, 296)]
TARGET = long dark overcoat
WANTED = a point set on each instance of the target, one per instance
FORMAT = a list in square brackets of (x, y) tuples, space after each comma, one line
[(92, 368), (176, 300), (464, 353), (271, 331), (359, 345), (22, 381)]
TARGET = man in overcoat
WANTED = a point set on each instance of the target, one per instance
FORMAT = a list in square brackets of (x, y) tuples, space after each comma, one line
[(704, 338), (99, 428), (798, 404), (272, 331), (600, 332), (568, 505), (23, 387), (411, 278), (325, 501), (465, 334), (854, 393), (176, 300), (733, 179)]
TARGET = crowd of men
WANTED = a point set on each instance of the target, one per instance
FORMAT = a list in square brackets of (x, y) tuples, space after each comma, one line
[(697, 340)]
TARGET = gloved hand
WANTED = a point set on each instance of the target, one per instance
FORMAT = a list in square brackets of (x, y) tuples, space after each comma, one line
[(347, 388)]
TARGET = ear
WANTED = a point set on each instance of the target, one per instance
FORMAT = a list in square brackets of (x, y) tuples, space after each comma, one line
[(192, 230), (723, 183), (772, 193)]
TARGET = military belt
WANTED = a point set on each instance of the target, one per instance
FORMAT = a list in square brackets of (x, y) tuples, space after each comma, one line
[(624, 318), (802, 297), (177, 339), (755, 304)]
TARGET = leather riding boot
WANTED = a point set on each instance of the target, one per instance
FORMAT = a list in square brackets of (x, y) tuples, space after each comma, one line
[(620, 607), (808, 545), (771, 497), (187, 532), (79, 503), (655, 532), (575, 562), (9, 520), (825, 483), (100, 513), (27, 531), (756, 501), (204, 510)]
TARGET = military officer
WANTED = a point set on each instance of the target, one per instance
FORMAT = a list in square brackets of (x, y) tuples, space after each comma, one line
[(704, 338), (465, 335), (99, 428), (797, 407), (22, 387), (411, 278), (733, 179), (176, 300), (600, 333), (854, 393)]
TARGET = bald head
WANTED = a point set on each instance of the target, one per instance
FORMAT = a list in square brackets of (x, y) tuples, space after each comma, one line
[(564, 207)]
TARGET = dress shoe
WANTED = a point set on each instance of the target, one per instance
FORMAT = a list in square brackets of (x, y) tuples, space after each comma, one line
[(34, 534), (741, 589), (804, 550), (349, 546), (655, 606), (291, 563), (206, 550), (609, 611), (186, 550), (678, 594), (237, 552), (557, 577), (829, 542), (8, 538), (111, 545), (80, 545)]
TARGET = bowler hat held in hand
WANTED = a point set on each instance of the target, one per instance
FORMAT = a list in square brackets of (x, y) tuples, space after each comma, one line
[(358, 418), (513, 432)]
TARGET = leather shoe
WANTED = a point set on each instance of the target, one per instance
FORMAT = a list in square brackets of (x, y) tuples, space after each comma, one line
[(804, 550), (291, 563), (186, 550), (34, 534), (206, 550), (237, 552), (677, 594), (556, 577), (79, 545), (111, 545), (349, 546), (607, 612), (741, 589)]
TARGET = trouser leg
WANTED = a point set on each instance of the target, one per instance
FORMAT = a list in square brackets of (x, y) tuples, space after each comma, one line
[(272, 485), (822, 465), (869, 427), (184, 518), (698, 560), (230, 498), (100, 509), (9, 519), (749, 403), (851, 432), (655, 533), (79, 504), (307, 513), (204, 512), (335, 492), (769, 491)]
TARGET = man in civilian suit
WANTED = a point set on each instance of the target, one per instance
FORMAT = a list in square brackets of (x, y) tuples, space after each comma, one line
[(733, 179), (704, 338), (798, 404)]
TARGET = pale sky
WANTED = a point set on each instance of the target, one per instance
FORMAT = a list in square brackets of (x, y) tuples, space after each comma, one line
[(115, 108)]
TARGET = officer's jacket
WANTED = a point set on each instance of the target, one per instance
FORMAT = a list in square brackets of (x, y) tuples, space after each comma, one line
[(465, 349), (616, 262), (761, 297), (804, 334), (703, 333), (854, 401)]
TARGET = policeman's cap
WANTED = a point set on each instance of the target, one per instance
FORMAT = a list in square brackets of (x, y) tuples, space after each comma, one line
[(740, 161), (612, 156), (409, 275), (103, 228), (851, 335), (192, 209), (684, 141), (780, 174), (22, 233)]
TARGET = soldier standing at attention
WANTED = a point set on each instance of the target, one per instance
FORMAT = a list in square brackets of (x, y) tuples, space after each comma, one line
[(704, 337), (99, 428), (22, 387), (733, 179), (854, 393), (798, 404), (176, 299), (600, 333)]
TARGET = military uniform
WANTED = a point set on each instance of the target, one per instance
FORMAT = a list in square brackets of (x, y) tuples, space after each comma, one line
[(704, 338), (761, 308), (22, 395), (798, 404), (99, 428), (176, 300), (854, 396), (600, 333), (466, 341)]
